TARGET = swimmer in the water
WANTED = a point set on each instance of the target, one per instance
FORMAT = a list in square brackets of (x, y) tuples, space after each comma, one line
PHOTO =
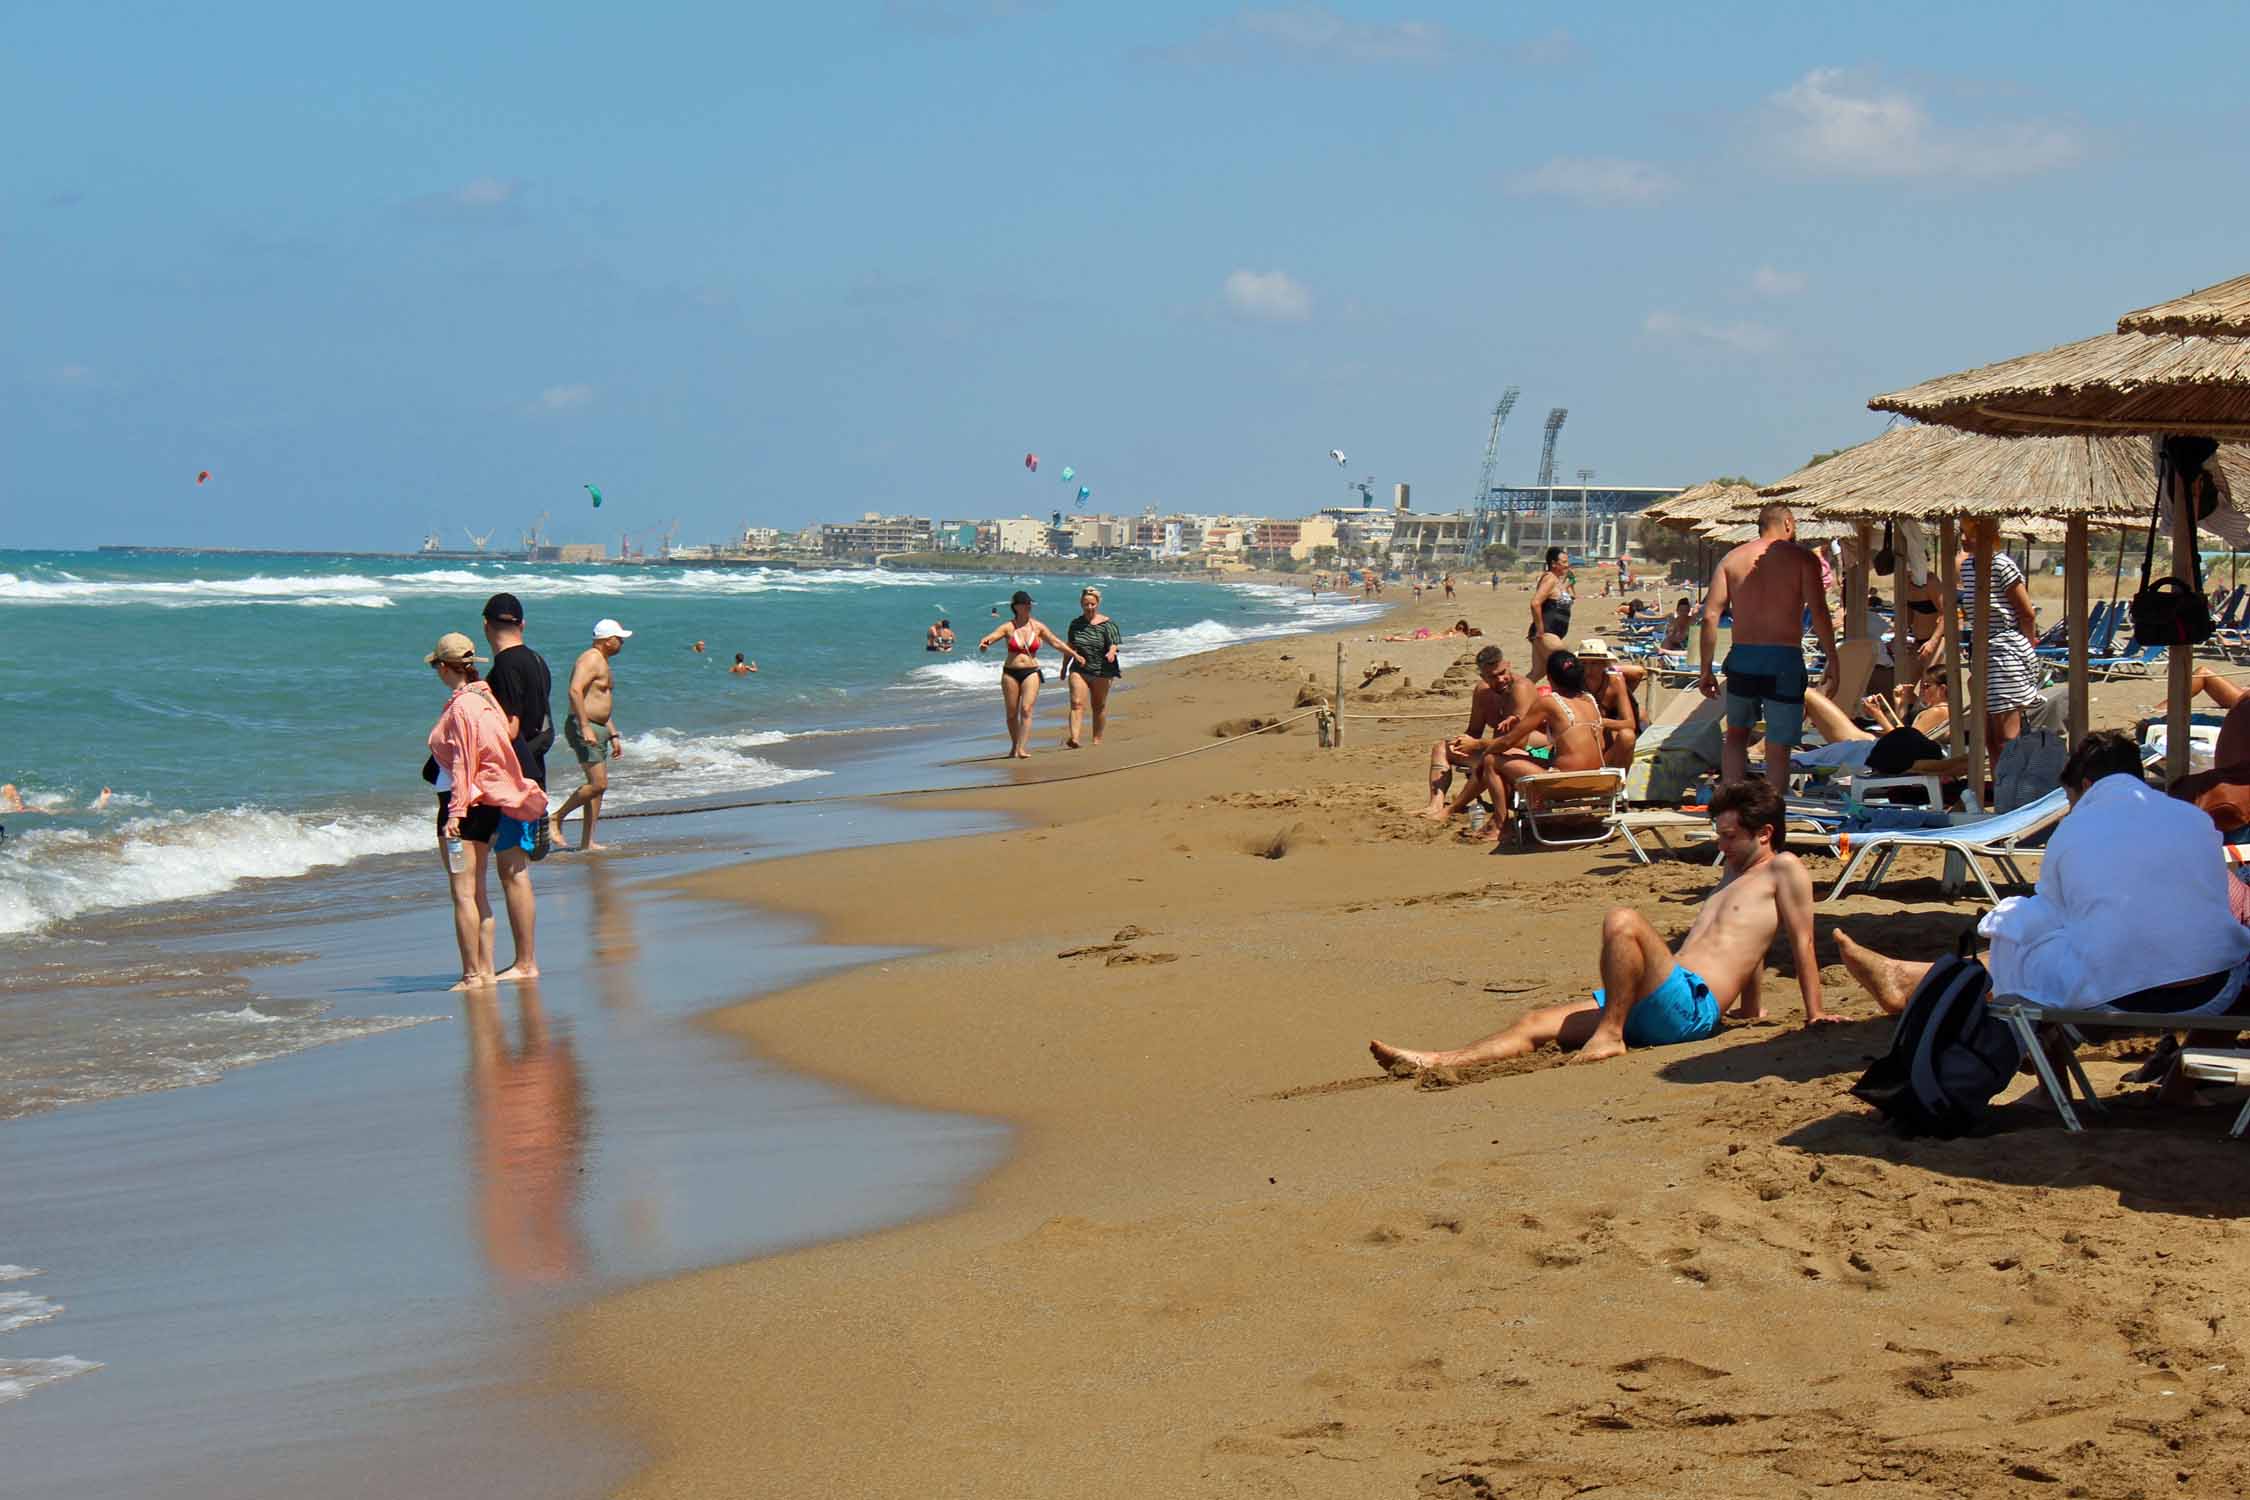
[(11, 800), (742, 668)]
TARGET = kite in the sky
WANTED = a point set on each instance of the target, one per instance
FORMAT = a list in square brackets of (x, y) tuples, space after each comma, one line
[(1068, 474), (1338, 455), (201, 475), (595, 491), (1031, 462), (1083, 495)]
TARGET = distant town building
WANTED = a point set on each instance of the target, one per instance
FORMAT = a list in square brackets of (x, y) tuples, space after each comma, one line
[(1020, 535), (762, 538), (582, 552), (1430, 538), (873, 535)]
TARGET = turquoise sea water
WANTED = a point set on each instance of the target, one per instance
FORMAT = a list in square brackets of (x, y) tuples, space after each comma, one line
[(259, 718)]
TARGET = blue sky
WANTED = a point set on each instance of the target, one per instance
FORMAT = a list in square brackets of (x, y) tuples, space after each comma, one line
[(423, 265)]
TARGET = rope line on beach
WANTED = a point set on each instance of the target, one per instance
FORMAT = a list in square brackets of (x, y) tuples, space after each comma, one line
[(935, 791)]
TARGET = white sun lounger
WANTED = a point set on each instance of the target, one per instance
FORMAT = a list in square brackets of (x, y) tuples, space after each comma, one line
[(2023, 1017), (2221, 1065), (1997, 837)]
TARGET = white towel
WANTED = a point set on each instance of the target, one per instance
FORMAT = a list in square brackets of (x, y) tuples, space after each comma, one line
[(2132, 895)]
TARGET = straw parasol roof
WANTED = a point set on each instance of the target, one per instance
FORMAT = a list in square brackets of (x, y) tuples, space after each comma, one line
[(1710, 501), (2179, 366), (1734, 529), (1933, 472), (2221, 309)]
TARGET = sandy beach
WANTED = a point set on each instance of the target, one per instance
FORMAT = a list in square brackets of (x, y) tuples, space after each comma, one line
[(1228, 1256)]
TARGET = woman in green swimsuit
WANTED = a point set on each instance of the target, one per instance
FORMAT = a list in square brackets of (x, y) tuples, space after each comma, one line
[(1094, 636)]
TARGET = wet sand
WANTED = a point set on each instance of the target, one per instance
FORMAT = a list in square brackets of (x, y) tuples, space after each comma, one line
[(332, 1275), (1228, 1256)]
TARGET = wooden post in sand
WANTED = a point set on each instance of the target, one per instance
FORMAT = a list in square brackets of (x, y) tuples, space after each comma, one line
[(2075, 566), (1949, 653), (1857, 625), (2180, 700), (1980, 653), (1339, 695)]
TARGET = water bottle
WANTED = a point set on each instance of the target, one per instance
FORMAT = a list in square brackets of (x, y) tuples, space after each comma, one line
[(456, 857), (1476, 817)]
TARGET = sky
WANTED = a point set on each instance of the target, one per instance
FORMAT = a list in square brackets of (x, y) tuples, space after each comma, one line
[(383, 271)]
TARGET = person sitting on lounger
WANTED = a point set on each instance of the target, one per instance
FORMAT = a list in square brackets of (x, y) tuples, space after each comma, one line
[(1680, 627), (1566, 715), (1500, 698), (1616, 686), (1846, 745), (1660, 997), (2130, 911)]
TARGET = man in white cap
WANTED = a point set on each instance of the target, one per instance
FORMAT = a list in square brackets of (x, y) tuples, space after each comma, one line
[(1615, 686), (591, 729)]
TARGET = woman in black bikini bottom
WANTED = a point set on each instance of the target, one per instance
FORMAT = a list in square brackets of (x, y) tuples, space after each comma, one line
[(1020, 678)]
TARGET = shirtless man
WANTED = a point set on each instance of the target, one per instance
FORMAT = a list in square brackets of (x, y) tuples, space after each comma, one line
[(1770, 583), (1615, 687), (1572, 724), (593, 737), (1665, 998), (1500, 698)]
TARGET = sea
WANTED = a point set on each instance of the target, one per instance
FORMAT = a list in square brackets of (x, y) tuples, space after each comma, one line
[(224, 867)]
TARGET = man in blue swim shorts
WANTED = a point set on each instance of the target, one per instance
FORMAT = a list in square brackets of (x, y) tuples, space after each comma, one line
[(1651, 997), (1771, 585)]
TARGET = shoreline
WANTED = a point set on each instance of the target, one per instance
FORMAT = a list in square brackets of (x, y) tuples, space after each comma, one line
[(1225, 1255)]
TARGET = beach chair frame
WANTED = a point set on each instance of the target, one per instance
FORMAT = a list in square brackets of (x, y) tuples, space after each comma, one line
[(1568, 797), (1976, 842), (2023, 1017)]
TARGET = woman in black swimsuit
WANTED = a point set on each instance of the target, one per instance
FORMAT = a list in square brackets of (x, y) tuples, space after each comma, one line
[(1095, 637), (1550, 610), (1020, 678)]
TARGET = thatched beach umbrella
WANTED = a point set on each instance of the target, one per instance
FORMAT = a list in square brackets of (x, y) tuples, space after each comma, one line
[(2179, 367)]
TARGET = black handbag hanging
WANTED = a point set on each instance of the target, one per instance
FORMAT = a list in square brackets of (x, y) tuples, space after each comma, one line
[(2173, 611)]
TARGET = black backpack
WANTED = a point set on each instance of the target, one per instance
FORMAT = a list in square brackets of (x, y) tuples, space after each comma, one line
[(1949, 1054)]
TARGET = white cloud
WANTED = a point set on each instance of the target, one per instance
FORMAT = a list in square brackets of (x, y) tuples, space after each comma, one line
[(563, 397), (1828, 124), (1315, 34), (1768, 282), (1268, 294), (1595, 179), (485, 192), (1742, 338)]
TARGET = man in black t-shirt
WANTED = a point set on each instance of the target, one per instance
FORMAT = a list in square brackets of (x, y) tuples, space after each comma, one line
[(523, 686)]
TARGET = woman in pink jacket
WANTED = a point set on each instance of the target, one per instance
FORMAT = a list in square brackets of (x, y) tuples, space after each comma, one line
[(482, 791)]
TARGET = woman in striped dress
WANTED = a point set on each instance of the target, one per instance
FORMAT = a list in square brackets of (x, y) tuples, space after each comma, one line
[(2012, 628)]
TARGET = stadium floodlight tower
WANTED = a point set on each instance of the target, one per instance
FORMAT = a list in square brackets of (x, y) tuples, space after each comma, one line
[(1585, 521), (1555, 419), (1487, 516)]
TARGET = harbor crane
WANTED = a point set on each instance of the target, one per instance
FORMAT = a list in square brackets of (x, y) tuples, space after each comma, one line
[(535, 537), (479, 541)]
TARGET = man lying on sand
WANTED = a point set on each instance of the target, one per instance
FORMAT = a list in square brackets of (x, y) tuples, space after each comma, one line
[(1663, 998)]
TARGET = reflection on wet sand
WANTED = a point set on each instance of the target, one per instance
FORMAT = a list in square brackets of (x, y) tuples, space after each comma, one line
[(531, 1116), (616, 946)]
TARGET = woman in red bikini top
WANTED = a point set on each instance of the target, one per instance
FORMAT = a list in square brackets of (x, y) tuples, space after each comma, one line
[(1020, 678)]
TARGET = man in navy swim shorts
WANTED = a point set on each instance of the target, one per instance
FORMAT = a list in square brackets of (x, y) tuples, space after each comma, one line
[(1771, 585), (1650, 997)]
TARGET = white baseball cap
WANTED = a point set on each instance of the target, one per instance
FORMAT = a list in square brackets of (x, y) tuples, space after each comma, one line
[(605, 627)]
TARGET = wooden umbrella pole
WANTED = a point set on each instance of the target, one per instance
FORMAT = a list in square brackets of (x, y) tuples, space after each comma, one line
[(2181, 659), (1949, 646), (1980, 654), (1856, 622), (2076, 564), (1339, 695)]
